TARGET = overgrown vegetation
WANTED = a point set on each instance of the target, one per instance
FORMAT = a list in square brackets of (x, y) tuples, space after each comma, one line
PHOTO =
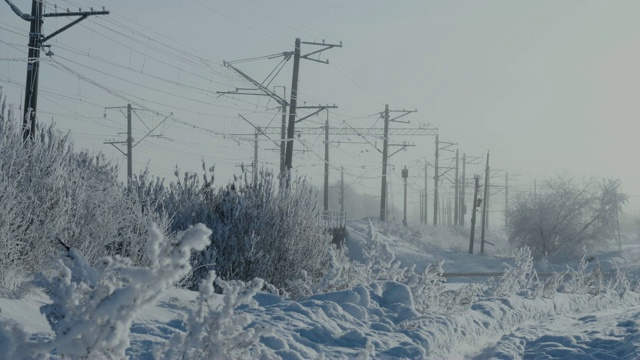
[(259, 229), (48, 192)]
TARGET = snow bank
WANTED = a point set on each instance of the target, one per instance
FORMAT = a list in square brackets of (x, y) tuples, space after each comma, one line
[(381, 320), (384, 319)]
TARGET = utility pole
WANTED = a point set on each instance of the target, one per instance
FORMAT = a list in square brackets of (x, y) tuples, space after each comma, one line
[(426, 195), (484, 205), (476, 186), (405, 175), (463, 206), (441, 210), (466, 160), (129, 142), (129, 146), (487, 202), (342, 189), (37, 41), (255, 157), (263, 90), (326, 163), (618, 222), (386, 156), (436, 176), (456, 209), (33, 71), (436, 180), (385, 152), (292, 110), (297, 55), (421, 206)]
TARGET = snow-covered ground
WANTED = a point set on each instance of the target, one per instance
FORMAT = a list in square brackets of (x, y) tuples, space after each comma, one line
[(381, 320)]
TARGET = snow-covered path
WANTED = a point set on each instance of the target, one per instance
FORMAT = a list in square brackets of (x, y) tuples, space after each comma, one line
[(607, 334)]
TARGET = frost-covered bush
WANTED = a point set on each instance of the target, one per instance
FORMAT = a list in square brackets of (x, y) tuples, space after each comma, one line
[(518, 279), (338, 275), (547, 288), (582, 281), (48, 191), (618, 281), (214, 330), (380, 262), (93, 307), (522, 280), (260, 231)]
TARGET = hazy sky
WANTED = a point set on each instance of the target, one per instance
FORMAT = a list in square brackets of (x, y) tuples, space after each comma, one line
[(546, 86)]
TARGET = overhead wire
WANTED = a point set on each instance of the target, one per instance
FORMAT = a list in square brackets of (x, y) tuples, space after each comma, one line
[(66, 68), (129, 99), (202, 57)]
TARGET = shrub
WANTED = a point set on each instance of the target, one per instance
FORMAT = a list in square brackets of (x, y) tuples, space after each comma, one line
[(518, 279), (215, 331), (48, 191), (93, 308), (259, 229)]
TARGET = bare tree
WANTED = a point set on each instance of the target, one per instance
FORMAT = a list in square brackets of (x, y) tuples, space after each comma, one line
[(566, 215)]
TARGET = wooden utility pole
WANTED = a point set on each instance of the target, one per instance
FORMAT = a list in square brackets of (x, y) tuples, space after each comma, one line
[(443, 210), (37, 41), (297, 55), (484, 205), (436, 176), (456, 209), (33, 71), (487, 202), (385, 154), (466, 160), (436, 180), (129, 146), (129, 142), (463, 206), (292, 109), (426, 195), (476, 186), (342, 189), (326, 163), (255, 156), (421, 206), (405, 175)]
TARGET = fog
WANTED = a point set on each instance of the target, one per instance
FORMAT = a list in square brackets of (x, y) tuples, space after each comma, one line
[(545, 86)]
